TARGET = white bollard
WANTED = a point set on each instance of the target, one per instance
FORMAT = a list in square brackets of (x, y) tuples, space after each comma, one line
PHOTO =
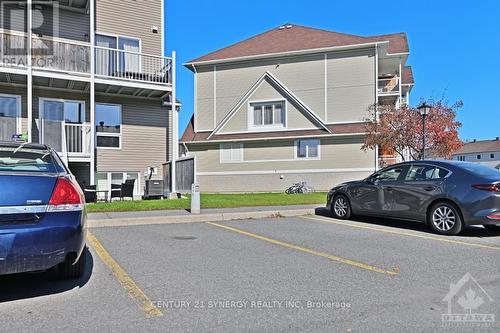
[(195, 199)]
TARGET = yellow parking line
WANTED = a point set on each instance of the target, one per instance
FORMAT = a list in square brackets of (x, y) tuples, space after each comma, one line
[(310, 251), (402, 233), (125, 280)]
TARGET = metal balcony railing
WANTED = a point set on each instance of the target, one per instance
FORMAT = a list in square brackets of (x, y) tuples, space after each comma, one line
[(388, 85), (132, 65), (74, 57)]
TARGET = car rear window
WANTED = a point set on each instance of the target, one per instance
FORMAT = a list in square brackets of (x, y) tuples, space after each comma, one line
[(27, 160), (480, 170)]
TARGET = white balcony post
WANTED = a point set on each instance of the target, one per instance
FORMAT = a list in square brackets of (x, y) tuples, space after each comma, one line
[(92, 92), (175, 125), (29, 102)]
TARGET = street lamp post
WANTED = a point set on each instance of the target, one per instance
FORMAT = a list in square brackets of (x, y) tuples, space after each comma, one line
[(424, 109)]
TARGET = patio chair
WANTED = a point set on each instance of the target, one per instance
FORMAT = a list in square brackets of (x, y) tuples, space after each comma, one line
[(116, 191), (128, 189), (90, 193)]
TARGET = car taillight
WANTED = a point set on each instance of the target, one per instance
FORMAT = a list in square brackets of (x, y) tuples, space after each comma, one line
[(494, 216), (488, 187), (65, 197)]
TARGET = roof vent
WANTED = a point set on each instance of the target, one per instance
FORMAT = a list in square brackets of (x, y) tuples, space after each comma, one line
[(498, 138), (473, 140)]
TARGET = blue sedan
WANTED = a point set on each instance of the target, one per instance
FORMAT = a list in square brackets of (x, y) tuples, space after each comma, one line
[(42, 212)]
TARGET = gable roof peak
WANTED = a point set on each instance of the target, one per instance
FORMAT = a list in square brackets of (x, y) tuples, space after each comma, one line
[(291, 37)]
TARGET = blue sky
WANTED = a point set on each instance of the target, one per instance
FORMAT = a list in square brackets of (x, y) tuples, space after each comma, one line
[(454, 45)]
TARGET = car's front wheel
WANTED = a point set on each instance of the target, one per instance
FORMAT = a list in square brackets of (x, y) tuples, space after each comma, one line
[(341, 208), (68, 270), (445, 219)]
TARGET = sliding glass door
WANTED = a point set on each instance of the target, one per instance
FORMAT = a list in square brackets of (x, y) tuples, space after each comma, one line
[(117, 56), (10, 110), (52, 124)]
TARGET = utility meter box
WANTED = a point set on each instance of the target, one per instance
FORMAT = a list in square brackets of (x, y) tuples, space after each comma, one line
[(195, 199)]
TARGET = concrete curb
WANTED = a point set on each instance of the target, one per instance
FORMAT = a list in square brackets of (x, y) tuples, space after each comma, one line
[(122, 222)]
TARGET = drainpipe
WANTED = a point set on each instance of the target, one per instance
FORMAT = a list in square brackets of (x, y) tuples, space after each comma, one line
[(175, 130)]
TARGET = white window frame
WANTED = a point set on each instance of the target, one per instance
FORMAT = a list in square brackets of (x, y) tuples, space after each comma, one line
[(124, 175), (262, 103), (19, 124), (119, 135), (296, 145), (117, 37), (60, 100), (232, 146)]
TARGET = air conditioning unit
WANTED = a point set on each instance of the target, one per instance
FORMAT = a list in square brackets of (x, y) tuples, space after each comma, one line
[(153, 189)]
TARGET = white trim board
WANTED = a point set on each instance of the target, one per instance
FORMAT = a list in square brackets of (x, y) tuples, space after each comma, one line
[(269, 172), (254, 88)]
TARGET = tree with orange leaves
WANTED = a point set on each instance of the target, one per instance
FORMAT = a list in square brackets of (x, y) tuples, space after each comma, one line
[(400, 130)]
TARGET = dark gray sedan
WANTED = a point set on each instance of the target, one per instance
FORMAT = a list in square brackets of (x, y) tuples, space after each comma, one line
[(447, 195)]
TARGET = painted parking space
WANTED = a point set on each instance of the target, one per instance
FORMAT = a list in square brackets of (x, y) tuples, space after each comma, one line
[(270, 274)]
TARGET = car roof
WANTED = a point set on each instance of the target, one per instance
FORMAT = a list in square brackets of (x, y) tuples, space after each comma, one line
[(443, 163), (14, 144)]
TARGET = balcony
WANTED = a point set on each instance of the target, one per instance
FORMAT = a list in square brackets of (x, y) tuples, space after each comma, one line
[(388, 85), (77, 138), (73, 57)]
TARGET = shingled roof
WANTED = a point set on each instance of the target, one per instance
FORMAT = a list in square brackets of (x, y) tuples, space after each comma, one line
[(407, 75), (288, 38), (190, 135), (479, 146)]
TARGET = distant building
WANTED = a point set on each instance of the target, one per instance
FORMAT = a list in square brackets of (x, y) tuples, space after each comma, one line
[(486, 152)]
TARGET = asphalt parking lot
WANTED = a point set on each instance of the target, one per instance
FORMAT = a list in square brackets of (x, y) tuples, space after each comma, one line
[(310, 273)]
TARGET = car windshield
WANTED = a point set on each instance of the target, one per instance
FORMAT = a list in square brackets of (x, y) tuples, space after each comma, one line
[(481, 170), (26, 160)]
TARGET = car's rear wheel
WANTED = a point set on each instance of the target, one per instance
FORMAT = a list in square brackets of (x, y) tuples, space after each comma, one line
[(341, 208), (68, 270), (444, 218)]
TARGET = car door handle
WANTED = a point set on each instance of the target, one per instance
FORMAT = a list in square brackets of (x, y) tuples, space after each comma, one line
[(429, 188)]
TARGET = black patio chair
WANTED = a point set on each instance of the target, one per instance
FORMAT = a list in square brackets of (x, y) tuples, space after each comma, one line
[(90, 193), (116, 191), (128, 189)]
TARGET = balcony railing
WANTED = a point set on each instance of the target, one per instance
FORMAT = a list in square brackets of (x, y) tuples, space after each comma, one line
[(74, 57), (132, 65), (388, 85), (77, 137)]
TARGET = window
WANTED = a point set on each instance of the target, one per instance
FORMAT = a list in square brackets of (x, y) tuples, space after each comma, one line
[(110, 62), (10, 112), (478, 156), (388, 174), (268, 114), (461, 158), (231, 152), (108, 119), (492, 155), (54, 114), (105, 179), (426, 172), (307, 148)]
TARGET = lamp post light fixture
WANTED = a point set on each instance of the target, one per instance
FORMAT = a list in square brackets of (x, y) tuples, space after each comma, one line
[(424, 110)]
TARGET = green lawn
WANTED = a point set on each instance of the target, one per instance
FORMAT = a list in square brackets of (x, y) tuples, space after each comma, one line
[(212, 201)]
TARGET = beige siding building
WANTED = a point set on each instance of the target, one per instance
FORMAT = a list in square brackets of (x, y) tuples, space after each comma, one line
[(90, 79), (291, 105)]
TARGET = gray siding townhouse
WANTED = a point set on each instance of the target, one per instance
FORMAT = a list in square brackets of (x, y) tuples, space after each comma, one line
[(90, 79), (486, 152), (290, 105)]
